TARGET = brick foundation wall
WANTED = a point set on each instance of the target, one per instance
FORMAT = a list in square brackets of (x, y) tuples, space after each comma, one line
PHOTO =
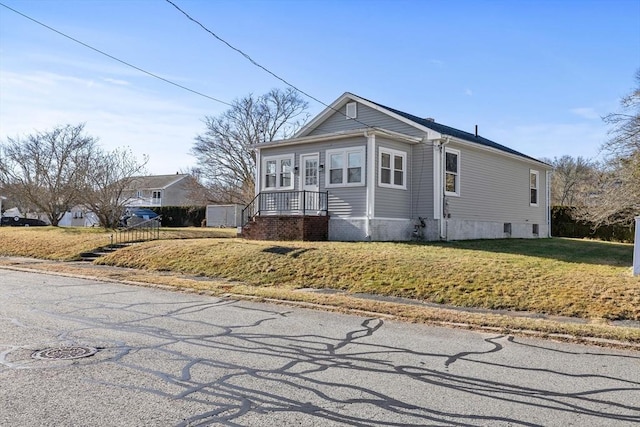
[(306, 228)]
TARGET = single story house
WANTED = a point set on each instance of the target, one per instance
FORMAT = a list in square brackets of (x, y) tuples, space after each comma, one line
[(361, 171)]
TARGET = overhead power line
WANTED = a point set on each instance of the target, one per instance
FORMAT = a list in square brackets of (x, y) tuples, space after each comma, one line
[(195, 21), (116, 59)]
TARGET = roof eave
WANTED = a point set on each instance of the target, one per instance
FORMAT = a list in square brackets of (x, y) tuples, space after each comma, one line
[(339, 135), (498, 151)]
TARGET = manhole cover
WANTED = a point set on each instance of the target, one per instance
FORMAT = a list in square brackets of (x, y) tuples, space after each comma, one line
[(64, 353)]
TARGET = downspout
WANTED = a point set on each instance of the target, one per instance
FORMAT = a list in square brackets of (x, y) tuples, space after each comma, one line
[(443, 182), (371, 178)]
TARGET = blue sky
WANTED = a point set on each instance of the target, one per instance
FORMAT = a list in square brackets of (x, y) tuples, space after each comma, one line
[(533, 75)]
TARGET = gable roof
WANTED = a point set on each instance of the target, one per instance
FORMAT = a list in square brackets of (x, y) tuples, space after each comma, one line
[(410, 119), (154, 182)]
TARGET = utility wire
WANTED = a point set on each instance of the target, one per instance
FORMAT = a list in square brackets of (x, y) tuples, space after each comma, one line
[(195, 21), (116, 59)]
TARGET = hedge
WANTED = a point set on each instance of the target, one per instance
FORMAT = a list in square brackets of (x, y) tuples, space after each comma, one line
[(181, 216), (564, 225)]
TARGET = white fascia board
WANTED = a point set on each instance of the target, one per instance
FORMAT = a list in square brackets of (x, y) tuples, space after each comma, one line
[(339, 135), (464, 142)]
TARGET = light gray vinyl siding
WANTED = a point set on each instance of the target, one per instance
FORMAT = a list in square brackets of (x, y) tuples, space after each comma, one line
[(422, 180), (343, 201), (366, 117), (392, 202), (348, 202), (496, 188)]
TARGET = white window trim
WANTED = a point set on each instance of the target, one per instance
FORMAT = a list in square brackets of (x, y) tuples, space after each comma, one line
[(353, 106), (537, 174), (278, 160), (444, 173), (393, 153), (345, 166)]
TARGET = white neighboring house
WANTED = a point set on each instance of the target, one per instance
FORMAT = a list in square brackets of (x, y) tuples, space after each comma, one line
[(380, 174), (78, 216)]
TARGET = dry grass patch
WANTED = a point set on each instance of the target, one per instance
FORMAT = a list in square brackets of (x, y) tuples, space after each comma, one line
[(67, 243), (555, 276)]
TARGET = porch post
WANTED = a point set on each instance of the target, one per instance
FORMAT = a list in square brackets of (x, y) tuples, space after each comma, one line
[(636, 249), (304, 202), (370, 175)]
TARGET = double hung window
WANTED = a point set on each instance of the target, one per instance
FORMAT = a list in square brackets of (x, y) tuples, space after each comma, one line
[(278, 172), (452, 172), (392, 168), (534, 183), (346, 167)]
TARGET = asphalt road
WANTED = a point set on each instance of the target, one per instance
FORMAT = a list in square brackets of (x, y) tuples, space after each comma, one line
[(172, 359)]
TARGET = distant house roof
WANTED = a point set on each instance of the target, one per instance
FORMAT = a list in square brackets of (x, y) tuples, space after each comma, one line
[(153, 182)]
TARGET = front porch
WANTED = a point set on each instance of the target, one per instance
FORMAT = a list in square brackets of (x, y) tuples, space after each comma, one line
[(286, 215)]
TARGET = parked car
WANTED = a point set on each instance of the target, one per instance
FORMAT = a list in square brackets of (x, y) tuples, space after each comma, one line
[(17, 221), (139, 214)]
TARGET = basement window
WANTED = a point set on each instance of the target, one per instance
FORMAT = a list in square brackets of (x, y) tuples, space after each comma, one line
[(507, 228), (535, 229)]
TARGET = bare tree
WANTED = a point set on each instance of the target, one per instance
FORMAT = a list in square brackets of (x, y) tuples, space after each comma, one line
[(572, 180), (107, 177), (224, 152), (625, 133), (616, 199), (198, 192), (44, 170)]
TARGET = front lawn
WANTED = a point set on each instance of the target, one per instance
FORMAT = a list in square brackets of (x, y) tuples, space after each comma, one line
[(581, 278)]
